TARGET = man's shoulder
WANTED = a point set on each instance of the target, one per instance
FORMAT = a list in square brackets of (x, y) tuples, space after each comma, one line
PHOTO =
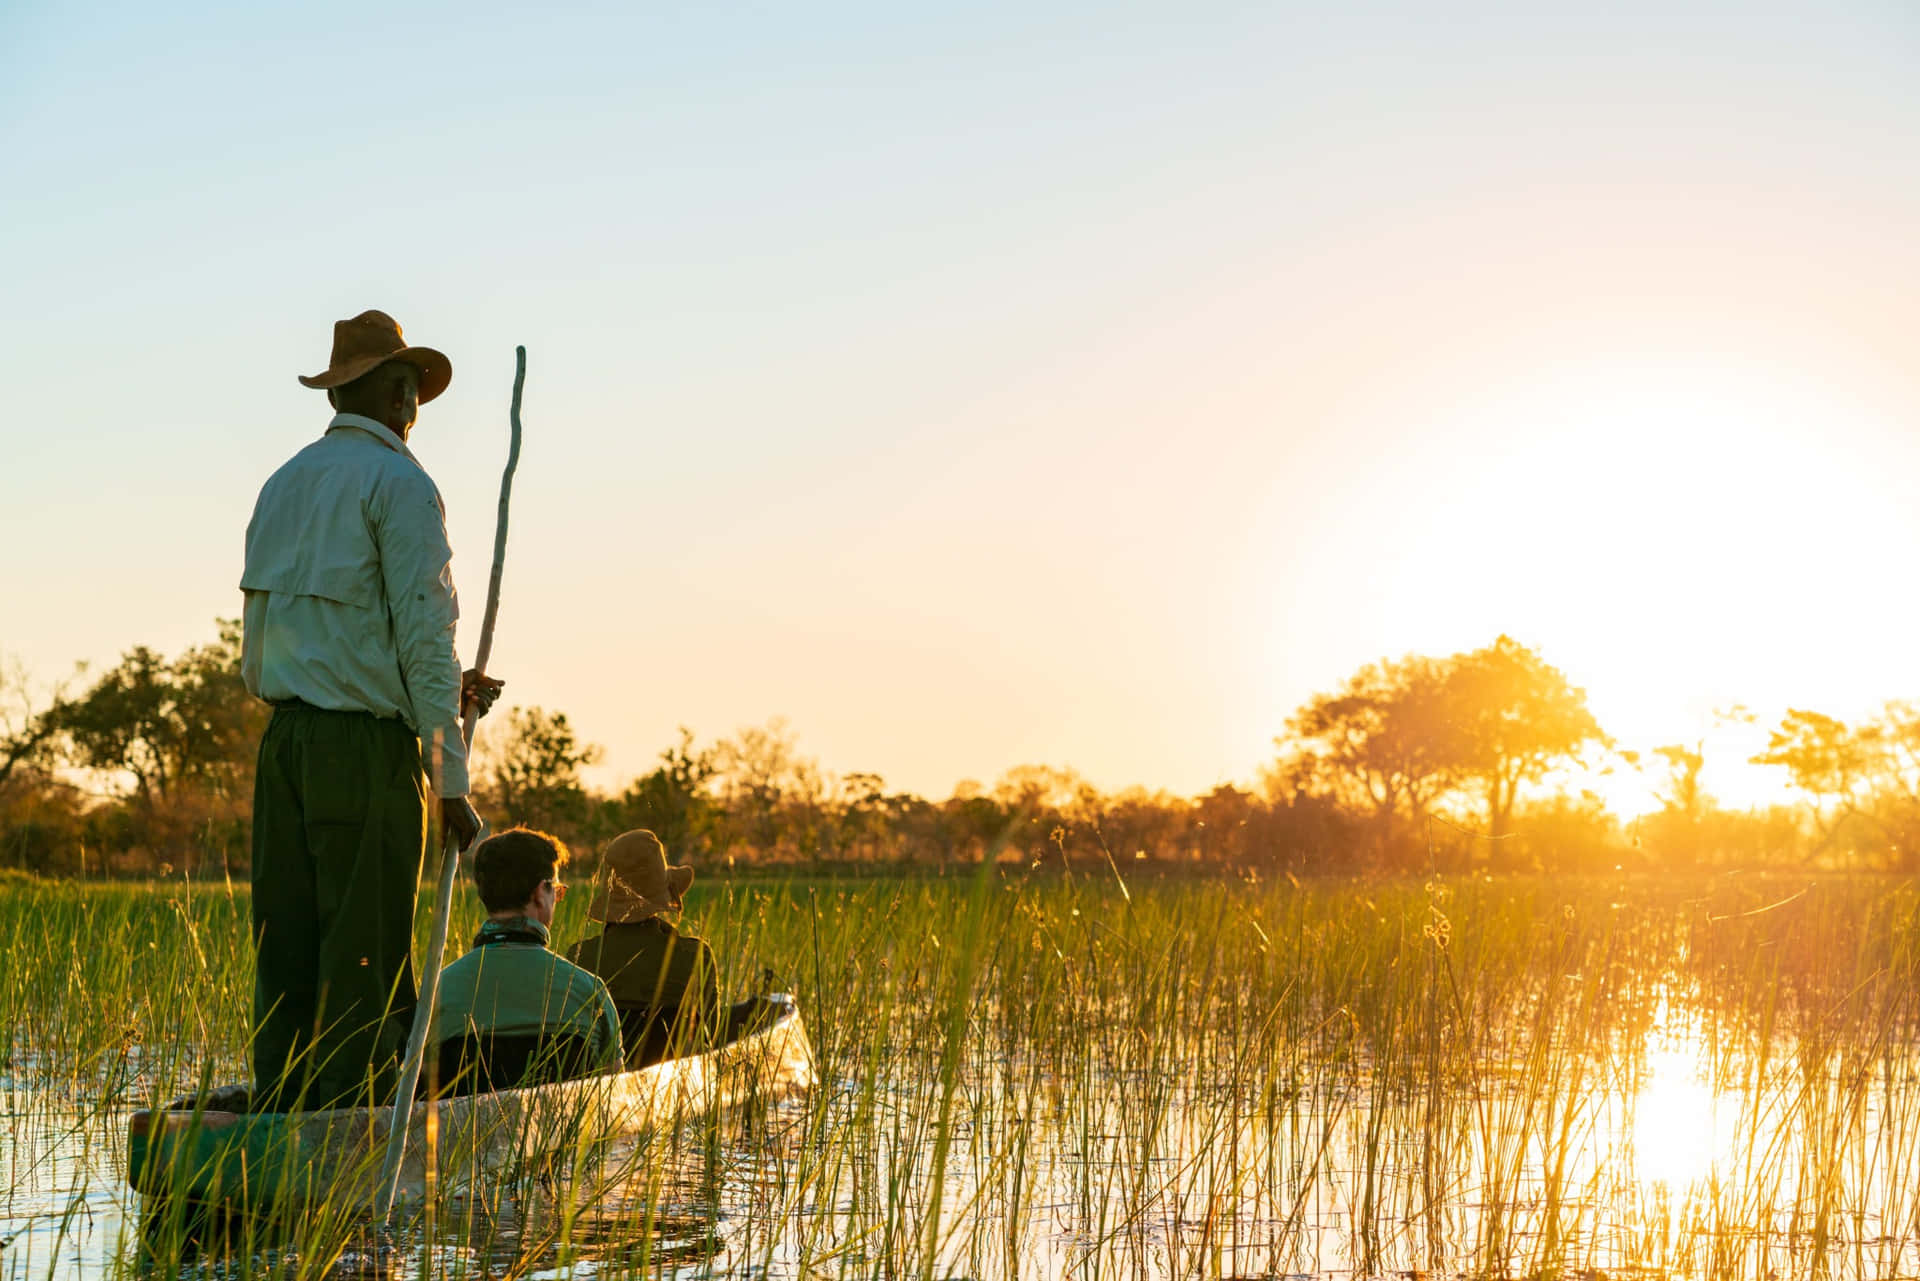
[(349, 460), (310, 458), (464, 966)]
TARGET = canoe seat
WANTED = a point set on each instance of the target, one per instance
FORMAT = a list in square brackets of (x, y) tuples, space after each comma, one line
[(479, 1063)]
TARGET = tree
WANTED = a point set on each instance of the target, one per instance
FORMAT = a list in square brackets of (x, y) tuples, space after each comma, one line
[(1511, 717), (1382, 744), (167, 723), (1221, 820), (863, 812), (1826, 759), (40, 814), (24, 733), (175, 740), (673, 799), (1860, 781), (220, 722), (770, 790), (1684, 795), (125, 724), (1039, 802), (1038, 789), (1675, 833), (535, 771), (972, 824), (1137, 824)]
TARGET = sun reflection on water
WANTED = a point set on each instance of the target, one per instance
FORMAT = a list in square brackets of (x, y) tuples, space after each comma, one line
[(1676, 1135)]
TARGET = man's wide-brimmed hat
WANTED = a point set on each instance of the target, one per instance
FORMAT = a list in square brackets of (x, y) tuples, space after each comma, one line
[(370, 340), (635, 881)]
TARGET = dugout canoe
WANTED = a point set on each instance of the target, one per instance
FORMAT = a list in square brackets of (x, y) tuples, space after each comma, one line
[(196, 1151)]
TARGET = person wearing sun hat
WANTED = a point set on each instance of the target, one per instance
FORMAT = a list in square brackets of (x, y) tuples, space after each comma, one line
[(663, 982), (348, 630)]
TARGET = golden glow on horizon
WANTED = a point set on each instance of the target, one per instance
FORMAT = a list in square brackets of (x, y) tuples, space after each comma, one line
[(1115, 387), (1666, 533), (1729, 780)]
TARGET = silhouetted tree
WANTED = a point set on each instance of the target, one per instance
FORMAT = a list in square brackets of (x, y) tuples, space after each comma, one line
[(1677, 831), (175, 741), (126, 724), (1511, 717), (25, 732), (771, 793), (1684, 795), (1896, 736), (1383, 744), (1136, 825), (534, 771), (1862, 783), (973, 825), (1223, 824), (1359, 770), (167, 723), (220, 722), (1038, 789), (672, 799), (1828, 761), (863, 813)]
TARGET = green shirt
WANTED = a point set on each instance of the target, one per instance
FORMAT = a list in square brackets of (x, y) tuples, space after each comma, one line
[(652, 968), (511, 984), (349, 589)]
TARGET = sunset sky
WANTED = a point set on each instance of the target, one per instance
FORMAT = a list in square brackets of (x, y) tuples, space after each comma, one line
[(1084, 384)]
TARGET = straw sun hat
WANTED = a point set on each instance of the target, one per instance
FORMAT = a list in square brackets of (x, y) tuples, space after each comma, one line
[(635, 881), (370, 340)]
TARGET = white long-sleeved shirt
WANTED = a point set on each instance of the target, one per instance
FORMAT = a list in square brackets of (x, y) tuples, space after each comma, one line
[(349, 590)]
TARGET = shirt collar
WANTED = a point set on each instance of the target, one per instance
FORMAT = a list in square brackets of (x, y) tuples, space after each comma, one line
[(491, 928), (378, 430)]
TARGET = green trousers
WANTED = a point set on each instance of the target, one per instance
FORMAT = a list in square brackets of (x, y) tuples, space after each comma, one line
[(339, 832)]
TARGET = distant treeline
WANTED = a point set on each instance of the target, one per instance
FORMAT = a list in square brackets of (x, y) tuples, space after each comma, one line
[(1414, 764)]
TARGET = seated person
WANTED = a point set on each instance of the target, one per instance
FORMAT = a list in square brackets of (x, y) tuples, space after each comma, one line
[(511, 1012), (663, 982)]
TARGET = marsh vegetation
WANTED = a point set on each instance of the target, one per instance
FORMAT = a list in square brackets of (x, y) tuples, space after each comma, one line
[(1030, 1074)]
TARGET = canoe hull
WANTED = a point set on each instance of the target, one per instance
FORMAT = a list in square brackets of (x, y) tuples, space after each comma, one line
[(266, 1159)]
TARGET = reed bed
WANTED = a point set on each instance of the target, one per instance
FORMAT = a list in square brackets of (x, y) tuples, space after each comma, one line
[(1048, 1071)]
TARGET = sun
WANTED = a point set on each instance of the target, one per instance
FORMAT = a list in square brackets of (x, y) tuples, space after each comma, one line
[(1680, 534)]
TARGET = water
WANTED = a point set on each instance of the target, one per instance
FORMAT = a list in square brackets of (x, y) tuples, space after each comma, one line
[(64, 1203), (1697, 1152), (1029, 1077)]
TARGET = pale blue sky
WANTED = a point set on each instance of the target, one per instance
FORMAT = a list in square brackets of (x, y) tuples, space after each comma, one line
[(1084, 384)]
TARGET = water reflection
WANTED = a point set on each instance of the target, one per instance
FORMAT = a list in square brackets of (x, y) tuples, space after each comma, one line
[(1677, 1134), (1683, 1145), (653, 1212)]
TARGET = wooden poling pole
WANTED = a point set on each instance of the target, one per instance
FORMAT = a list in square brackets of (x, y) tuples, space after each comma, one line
[(450, 853)]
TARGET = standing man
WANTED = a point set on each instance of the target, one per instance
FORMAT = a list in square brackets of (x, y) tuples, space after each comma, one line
[(348, 632)]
